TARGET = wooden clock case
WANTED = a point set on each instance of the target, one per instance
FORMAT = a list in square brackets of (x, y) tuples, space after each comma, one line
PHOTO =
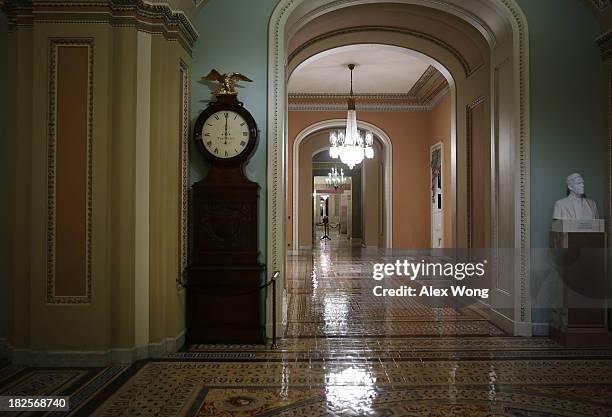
[(224, 301)]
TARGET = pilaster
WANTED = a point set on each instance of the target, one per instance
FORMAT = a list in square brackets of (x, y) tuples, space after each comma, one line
[(98, 101)]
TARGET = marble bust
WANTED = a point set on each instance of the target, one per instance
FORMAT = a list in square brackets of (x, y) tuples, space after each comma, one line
[(575, 205)]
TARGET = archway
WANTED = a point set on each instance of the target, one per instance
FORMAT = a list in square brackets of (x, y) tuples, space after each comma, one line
[(388, 180), (503, 25)]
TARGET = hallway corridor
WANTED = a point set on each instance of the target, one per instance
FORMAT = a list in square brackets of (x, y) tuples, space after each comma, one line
[(330, 295), (347, 353)]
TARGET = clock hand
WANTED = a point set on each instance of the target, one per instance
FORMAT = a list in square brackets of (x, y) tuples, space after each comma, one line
[(225, 128)]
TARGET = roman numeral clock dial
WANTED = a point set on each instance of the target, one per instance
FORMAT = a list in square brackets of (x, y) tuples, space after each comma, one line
[(225, 134)]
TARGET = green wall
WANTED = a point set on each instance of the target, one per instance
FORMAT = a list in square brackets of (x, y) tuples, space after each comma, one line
[(233, 38), (3, 175), (567, 122)]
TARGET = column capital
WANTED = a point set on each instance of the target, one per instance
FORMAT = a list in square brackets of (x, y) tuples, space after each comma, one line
[(148, 17)]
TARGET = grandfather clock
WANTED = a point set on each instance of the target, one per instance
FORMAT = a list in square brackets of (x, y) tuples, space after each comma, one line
[(225, 302)]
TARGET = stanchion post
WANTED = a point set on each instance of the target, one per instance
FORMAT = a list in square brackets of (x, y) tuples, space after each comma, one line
[(276, 274)]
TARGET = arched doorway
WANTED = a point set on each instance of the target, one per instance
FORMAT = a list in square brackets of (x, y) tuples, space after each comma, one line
[(388, 169), (505, 33)]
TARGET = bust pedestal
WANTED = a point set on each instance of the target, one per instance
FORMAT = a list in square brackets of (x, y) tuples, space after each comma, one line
[(579, 314)]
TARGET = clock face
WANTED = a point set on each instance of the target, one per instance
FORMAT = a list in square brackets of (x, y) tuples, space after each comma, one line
[(225, 134)]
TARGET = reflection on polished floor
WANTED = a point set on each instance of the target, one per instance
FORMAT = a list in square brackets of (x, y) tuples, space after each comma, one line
[(330, 295), (347, 353)]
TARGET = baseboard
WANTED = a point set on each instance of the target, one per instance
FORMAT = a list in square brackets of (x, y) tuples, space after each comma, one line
[(282, 324), (28, 357), (508, 325), (540, 329), (280, 331)]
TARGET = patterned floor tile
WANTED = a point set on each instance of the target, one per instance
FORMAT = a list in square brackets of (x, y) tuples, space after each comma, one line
[(348, 354)]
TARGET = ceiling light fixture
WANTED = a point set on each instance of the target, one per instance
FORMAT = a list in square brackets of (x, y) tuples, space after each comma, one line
[(336, 178), (351, 145)]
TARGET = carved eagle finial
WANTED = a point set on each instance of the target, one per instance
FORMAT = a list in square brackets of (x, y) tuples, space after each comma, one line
[(228, 81)]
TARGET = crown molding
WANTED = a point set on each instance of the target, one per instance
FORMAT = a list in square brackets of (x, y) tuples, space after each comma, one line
[(427, 76), (424, 95), (157, 18), (371, 102)]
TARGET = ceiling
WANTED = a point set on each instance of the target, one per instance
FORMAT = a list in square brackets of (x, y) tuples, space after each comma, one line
[(379, 71)]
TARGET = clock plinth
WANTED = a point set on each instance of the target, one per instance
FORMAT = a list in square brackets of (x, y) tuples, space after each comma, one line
[(225, 302), (225, 221)]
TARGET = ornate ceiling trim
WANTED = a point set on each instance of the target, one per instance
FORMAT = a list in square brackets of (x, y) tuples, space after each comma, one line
[(369, 102), (151, 18), (425, 95), (425, 78)]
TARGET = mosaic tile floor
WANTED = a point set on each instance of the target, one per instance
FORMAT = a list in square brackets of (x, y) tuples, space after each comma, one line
[(347, 353), (330, 295)]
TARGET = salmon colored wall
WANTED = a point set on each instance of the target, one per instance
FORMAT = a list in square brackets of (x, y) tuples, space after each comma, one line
[(440, 122), (412, 134)]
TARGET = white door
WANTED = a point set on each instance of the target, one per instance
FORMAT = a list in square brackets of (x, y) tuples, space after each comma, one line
[(436, 194)]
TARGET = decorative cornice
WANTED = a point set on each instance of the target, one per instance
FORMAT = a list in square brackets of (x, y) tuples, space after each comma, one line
[(148, 17), (605, 44), (386, 104), (425, 95), (425, 78)]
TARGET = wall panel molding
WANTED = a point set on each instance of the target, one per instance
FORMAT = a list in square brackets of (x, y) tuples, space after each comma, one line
[(184, 169), (62, 135), (470, 164)]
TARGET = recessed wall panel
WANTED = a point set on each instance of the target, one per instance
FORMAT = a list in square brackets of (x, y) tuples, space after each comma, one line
[(69, 171), (183, 164), (478, 173), (505, 175)]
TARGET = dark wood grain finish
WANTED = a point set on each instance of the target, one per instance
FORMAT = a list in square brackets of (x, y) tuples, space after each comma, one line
[(225, 298)]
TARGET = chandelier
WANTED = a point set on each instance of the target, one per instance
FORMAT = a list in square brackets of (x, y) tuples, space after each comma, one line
[(351, 145), (335, 179)]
